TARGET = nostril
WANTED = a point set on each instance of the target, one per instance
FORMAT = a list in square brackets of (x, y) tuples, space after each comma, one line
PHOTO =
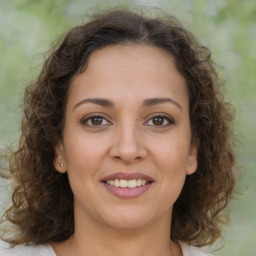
[(127, 151)]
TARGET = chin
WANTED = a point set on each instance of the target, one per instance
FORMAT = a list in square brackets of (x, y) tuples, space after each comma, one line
[(128, 218)]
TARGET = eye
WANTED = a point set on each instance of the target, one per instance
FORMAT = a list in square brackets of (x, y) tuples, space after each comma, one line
[(94, 121), (160, 120)]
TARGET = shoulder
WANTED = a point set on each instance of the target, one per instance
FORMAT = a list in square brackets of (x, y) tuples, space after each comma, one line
[(188, 250), (37, 250)]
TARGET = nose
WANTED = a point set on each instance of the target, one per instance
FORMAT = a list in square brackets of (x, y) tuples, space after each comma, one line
[(128, 145)]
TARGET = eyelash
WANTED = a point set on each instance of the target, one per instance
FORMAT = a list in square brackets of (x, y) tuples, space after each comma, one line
[(87, 118), (166, 118), (90, 117)]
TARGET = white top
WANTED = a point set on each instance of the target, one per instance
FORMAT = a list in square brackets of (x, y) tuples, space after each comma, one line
[(46, 250), (38, 250)]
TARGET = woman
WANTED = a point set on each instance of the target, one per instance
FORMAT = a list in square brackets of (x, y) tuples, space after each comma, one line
[(126, 145)]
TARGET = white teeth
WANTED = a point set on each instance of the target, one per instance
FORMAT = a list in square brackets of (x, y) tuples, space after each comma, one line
[(127, 183), (116, 183), (139, 182), (132, 184), (123, 183)]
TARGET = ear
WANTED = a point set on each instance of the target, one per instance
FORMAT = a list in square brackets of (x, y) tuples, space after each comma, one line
[(192, 159), (59, 161)]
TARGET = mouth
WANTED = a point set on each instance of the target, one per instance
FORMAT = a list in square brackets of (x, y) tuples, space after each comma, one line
[(126, 185), (121, 183)]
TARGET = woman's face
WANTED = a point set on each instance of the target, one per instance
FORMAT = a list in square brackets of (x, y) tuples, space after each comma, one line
[(127, 140)]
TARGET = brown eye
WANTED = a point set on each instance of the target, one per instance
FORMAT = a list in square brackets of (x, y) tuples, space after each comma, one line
[(160, 120), (96, 120)]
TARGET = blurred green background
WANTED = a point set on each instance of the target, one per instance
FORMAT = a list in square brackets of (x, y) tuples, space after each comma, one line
[(227, 27)]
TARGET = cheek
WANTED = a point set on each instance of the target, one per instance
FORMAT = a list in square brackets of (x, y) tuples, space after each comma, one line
[(81, 147), (172, 152), (83, 161), (82, 157), (173, 174), (171, 157)]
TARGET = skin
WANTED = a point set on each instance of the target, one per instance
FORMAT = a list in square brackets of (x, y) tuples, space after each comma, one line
[(127, 138)]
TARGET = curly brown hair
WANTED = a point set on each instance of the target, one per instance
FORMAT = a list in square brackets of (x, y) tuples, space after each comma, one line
[(42, 200)]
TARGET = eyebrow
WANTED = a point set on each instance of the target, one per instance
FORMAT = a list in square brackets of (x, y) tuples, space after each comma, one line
[(98, 101), (108, 103), (154, 101)]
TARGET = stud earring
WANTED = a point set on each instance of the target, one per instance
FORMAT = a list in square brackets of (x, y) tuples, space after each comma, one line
[(61, 165)]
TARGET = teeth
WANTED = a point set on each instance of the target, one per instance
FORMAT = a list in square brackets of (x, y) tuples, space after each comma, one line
[(123, 183), (116, 183), (127, 183), (139, 182), (132, 184)]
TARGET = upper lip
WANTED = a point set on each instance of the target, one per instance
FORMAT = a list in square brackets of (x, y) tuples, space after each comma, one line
[(127, 176)]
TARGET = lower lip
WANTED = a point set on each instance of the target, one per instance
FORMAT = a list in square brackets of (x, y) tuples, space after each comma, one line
[(128, 192)]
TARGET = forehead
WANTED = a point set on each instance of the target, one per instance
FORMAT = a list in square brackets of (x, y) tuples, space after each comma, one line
[(126, 71)]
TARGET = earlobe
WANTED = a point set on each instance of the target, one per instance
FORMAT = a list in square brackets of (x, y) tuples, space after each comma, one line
[(59, 161), (192, 160)]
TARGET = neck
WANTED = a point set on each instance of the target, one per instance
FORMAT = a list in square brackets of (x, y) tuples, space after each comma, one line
[(91, 238)]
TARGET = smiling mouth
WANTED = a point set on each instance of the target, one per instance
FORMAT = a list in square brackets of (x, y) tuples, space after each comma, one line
[(122, 183), (127, 185)]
